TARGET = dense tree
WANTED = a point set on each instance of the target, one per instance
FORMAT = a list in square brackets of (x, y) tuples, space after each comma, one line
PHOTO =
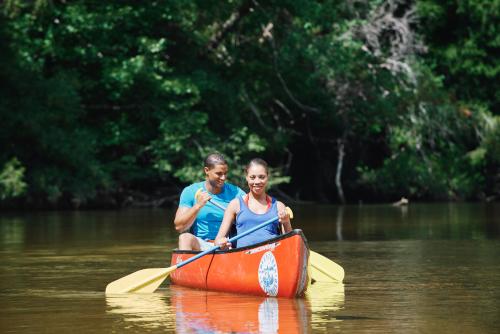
[(118, 101), (463, 40)]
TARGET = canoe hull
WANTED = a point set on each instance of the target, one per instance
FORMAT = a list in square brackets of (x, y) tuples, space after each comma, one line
[(277, 268)]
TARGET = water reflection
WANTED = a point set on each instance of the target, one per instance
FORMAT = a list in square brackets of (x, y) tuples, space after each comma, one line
[(338, 223), (421, 268), (208, 312), (145, 310), (325, 299), (386, 222), (195, 311)]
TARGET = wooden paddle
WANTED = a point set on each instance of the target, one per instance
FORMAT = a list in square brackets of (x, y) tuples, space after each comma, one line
[(148, 280), (321, 268)]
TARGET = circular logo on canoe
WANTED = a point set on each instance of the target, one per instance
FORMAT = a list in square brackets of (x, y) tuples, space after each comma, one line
[(268, 274)]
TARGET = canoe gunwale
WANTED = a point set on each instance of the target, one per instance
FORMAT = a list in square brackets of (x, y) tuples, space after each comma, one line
[(234, 250)]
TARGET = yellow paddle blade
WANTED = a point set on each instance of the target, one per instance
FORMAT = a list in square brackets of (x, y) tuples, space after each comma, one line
[(141, 281), (289, 211), (323, 269)]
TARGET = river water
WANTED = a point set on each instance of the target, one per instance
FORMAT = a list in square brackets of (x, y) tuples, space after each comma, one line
[(424, 268)]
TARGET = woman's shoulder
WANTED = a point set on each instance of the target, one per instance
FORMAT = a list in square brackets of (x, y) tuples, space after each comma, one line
[(234, 204)]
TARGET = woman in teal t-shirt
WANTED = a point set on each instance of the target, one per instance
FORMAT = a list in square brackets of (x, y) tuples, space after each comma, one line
[(197, 219), (254, 208)]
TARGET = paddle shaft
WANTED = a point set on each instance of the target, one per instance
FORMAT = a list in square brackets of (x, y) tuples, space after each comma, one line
[(236, 237), (217, 205)]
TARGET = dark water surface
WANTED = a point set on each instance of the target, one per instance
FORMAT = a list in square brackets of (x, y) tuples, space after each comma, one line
[(417, 269)]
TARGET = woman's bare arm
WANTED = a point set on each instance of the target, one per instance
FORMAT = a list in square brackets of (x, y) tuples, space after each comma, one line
[(284, 218), (229, 216)]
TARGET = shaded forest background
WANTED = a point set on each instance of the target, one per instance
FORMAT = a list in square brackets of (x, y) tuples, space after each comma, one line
[(115, 103)]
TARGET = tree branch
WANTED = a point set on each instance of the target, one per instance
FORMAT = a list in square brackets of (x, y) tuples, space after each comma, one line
[(255, 111), (267, 33), (230, 24)]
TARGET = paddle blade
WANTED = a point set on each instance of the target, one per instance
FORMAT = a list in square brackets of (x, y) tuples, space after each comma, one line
[(141, 281), (323, 269)]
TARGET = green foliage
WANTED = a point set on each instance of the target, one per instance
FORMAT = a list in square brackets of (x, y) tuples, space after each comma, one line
[(102, 98), (436, 151), (491, 138), (42, 128), (463, 36), (175, 157), (12, 182)]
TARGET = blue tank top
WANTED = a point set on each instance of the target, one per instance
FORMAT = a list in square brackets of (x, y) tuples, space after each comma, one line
[(246, 219)]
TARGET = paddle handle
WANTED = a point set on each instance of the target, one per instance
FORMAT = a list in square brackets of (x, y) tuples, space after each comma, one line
[(210, 200), (236, 237)]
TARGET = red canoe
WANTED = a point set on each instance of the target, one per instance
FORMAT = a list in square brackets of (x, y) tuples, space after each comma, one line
[(277, 267)]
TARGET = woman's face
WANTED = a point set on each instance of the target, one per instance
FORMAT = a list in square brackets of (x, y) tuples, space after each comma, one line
[(257, 179), (216, 175)]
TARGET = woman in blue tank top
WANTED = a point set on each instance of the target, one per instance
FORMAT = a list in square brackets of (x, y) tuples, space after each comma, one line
[(254, 208)]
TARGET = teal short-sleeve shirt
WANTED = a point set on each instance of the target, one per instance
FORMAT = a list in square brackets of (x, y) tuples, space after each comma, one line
[(209, 218)]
